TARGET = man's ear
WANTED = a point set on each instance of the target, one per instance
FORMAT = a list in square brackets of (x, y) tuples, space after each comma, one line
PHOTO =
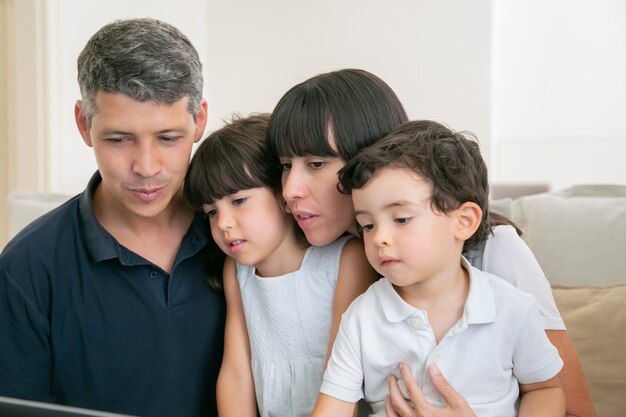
[(201, 120), (469, 216), (82, 123)]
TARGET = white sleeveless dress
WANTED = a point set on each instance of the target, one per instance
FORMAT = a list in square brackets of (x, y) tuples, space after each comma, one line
[(288, 319)]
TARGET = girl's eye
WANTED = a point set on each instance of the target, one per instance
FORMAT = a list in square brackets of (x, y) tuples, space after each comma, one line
[(402, 220), (285, 166), (210, 213), (239, 201), (367, 227)]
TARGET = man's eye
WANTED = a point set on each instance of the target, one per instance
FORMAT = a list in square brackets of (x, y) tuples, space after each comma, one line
[(169, 139), (114, 140)]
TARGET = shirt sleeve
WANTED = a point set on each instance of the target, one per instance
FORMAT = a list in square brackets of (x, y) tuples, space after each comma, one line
[(535, 359), (509, 257), (343, 378), (25, 359)]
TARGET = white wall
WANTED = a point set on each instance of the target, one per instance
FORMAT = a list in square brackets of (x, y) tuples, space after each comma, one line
[(435, 55), (555, 114), (559, 91)]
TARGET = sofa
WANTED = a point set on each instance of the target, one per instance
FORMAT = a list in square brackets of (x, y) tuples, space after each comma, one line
[(579, 238)]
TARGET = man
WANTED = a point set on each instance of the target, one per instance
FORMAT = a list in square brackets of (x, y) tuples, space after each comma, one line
[(104, 302)]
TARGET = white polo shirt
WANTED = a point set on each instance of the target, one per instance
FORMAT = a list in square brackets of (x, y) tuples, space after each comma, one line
[(498, 341)]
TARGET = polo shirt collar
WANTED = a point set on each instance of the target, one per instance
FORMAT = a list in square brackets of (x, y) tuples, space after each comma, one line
[(479, 307), (100, 243), (102, 246)]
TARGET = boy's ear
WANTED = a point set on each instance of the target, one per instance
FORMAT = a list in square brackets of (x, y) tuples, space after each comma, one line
[(469, 216)]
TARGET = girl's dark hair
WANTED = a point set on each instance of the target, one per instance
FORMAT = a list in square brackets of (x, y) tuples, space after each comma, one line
[(354, 106), (450, 162), (229, 160), (232, 159)]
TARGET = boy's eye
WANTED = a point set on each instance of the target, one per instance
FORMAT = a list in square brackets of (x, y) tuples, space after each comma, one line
[(239, 201)]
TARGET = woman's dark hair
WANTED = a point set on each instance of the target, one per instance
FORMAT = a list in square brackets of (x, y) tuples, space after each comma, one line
[(450, 162), (354, 106)]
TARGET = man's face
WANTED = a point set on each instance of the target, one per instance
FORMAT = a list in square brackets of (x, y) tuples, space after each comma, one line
[(142, 150)]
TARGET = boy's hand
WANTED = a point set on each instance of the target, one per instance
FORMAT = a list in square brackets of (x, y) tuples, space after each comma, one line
[(397, 406)]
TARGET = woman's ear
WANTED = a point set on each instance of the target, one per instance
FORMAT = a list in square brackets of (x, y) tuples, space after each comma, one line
[(469, 216)]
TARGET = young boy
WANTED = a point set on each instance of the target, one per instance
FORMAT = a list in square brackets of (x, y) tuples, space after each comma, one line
[(419, 197)]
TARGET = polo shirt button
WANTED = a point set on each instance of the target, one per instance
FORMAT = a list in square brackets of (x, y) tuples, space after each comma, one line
[(153, 274), (416, 322)]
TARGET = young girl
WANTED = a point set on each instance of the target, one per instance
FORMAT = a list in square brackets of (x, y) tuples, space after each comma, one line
[(283, 295), (323, 122)]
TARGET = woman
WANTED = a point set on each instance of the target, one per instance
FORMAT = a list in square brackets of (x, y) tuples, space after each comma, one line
[(323, 122)]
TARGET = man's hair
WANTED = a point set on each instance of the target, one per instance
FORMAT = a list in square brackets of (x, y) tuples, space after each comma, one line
[(144, 59), (232, 159), (355, 106), (449, 162)]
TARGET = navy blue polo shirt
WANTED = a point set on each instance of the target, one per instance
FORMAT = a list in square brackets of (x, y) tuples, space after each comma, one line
[(86, 322)]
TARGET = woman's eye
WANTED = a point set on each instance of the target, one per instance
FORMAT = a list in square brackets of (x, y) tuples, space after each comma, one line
[(317, 164)]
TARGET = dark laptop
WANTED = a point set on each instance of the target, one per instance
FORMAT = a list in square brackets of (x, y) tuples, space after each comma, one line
[(15, 407)]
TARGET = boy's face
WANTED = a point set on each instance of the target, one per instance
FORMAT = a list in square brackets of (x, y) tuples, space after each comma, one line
[(142, 150), (405, 240), (251, 225)]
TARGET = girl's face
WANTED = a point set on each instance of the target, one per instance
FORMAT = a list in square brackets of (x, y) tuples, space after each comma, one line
[(251, 227), (310, 189)]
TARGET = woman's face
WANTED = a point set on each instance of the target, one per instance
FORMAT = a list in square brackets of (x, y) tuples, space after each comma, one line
[(310, 189)]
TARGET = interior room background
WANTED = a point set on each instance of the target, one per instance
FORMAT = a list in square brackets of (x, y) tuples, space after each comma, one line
[(541, 83)]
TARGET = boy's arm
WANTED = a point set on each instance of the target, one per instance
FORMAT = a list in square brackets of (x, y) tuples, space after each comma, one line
[(578, 400), (327, 406), (542, 399), (355, 276), (235, 384)]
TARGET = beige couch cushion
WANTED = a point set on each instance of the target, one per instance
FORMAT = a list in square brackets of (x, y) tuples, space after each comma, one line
[(578, 235), (595, 317)]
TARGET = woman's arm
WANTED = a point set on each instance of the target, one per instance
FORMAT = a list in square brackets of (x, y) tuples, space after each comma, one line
[(235, 384), (542, 399), (355, 276), (509, 257), (572, 377)]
